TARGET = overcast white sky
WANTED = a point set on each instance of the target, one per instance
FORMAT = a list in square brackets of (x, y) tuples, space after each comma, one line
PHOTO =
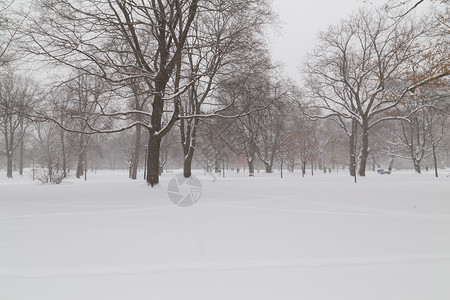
[(301, 21)]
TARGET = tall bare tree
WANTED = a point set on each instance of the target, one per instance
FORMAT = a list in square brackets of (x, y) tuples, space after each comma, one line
[(360, 70), (17, 95), (91, 36)]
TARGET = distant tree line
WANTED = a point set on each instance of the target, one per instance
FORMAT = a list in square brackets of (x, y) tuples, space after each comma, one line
[(145, 86)]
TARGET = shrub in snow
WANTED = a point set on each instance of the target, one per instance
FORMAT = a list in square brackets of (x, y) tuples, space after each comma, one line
[(52, 176)]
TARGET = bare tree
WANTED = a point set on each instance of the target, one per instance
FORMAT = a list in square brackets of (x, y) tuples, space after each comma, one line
[(16, 98), (90, 36), (223, 39), (47, 147), (359, 71)]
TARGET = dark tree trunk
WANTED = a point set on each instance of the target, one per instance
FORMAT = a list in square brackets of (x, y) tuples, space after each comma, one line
[(154, 145), (303, 168), (216, 165), (391, 164), (50, 172), (251, 166), (136, 154), (268, 167), (352, 138), (188, 140), (85, 165), (63, 152), (156, 133), (435, 161), (9, 166), (417, 167), (364, 150), (187, 168), (281, 166), (80, 167), (21, 150)]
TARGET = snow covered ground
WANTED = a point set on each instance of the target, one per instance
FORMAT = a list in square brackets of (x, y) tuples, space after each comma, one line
[(321, 237)]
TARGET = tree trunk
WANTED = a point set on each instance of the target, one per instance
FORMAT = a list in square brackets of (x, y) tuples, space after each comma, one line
[(251, 166), (188, 140), (63, 152), (85, 165), (21, 150), (435, 161), (352, 139), (154, 146), (136, 155), (417, 167), (187, 168), (268, 167), (9, 166), (80, 168), (364, 150), (303, 168), (391, 164), (50, 173)]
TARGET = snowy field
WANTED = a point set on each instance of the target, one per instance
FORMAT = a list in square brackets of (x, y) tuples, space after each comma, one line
[(321, 237)]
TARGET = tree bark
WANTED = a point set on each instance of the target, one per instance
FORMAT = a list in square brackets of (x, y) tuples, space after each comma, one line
[(9, 166), (364, 150), (63, 152), (154, 145), (391, 164), (417, 167), (352, 140), (251, 166), (136, 154), (80, 168), (187, 168), (435, 161), (21, 149)]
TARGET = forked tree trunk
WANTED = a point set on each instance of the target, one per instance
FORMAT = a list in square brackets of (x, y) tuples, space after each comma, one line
[(417, 167), (391, 164)]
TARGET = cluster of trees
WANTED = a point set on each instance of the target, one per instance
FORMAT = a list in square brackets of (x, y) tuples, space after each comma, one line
[(190, 83)]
